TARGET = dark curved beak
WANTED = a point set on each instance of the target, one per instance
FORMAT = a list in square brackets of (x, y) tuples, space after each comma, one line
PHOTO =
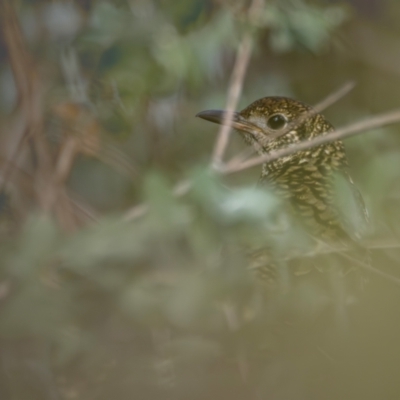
[(236, 122)]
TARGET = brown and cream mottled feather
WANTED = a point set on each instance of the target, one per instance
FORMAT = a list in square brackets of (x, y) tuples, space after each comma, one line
[(315, 182), (308, 178)]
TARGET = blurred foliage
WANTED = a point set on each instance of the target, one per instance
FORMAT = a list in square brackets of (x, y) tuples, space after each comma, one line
[(302, 25), (163, 306)]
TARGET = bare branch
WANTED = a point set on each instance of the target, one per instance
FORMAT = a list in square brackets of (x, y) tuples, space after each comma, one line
[(334, 97), (322, 105), (66, 158), (342, 251), (351, 130), (371, 123), (237, 164), (25, 74), (370, 268), (136, 212), (235, 87), (179, 190)]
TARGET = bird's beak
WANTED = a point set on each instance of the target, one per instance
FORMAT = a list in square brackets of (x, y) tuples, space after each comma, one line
[(236, 122)]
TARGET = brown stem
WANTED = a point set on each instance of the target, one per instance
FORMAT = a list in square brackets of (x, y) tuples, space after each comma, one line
[(351, 130), (236, 84)]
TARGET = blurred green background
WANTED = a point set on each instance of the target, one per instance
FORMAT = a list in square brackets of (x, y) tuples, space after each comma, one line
[(161, 307)]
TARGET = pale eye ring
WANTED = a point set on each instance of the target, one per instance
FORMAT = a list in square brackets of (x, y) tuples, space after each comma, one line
[(277, 122)]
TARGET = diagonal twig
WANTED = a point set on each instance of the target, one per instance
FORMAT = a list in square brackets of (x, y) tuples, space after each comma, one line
[(350, 130), (321, 106), (236, 84), (180, 189), (334, 97), (234, 91)]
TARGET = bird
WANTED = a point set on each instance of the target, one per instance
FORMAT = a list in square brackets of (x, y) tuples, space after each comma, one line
[(315, 183)]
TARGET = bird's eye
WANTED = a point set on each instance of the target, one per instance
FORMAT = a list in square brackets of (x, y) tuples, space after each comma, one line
[(276, 122)]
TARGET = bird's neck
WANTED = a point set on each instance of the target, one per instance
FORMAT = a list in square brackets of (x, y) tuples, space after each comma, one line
[(305, 167)]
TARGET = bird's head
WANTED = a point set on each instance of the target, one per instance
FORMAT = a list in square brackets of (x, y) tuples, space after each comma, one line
[(272, 123)]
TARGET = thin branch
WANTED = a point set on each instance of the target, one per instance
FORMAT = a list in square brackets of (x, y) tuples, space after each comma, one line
[(350, 130), (243, 155), (136, 212), (327, 248), (234, 91), (180, 189), (342, 251), (236, 164), (27, 84), (65, 159), (353, 129), (334, 97), (235, 87), (84, 209), (371, 269), (321, 106), (318, 108)]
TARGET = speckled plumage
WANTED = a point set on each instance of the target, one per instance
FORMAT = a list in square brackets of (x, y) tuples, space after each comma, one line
[(315, 182), (306, 178), (309, 179)]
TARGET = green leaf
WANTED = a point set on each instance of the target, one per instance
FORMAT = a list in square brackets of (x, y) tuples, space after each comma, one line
[(37, 245)]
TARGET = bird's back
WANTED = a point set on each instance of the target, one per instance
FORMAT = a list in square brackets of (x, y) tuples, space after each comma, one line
[(320, 191)]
